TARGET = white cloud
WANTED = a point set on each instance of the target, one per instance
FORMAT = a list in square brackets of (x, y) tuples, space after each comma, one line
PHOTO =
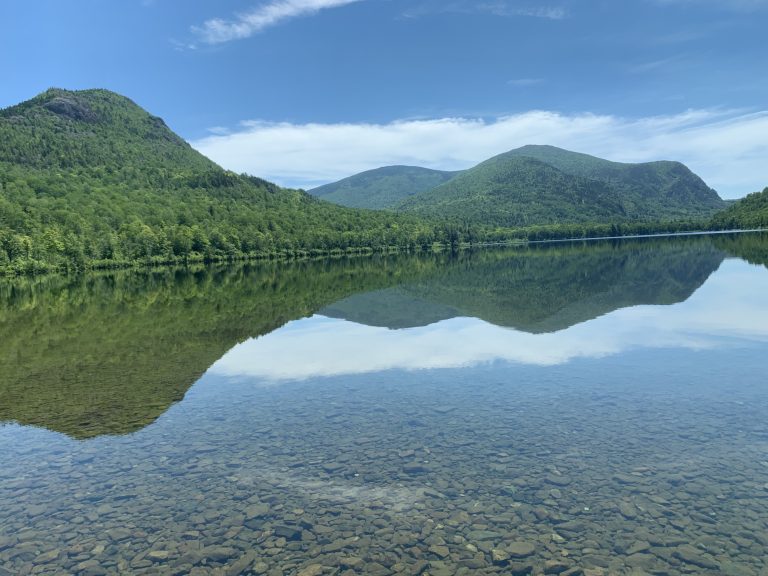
[(218, 30), (727, 148)]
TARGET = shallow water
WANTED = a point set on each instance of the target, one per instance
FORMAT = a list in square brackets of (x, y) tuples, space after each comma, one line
[(577, 409)]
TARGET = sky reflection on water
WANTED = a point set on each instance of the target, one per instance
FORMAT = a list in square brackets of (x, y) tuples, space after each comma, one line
[(730, 309)]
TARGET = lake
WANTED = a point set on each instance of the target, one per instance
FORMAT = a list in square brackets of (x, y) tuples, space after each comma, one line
[(579, 408)]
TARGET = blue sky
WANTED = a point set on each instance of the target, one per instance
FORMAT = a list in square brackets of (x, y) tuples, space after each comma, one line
[(306, 91)]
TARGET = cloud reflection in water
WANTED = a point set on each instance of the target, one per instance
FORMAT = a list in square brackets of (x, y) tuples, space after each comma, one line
[(731, 308)]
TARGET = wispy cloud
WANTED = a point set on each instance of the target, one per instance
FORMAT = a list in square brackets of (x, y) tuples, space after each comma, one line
[(727, 148), (525, 82), (505, 9), (652, 65), (498, 8), (737, 5), (219, 30)]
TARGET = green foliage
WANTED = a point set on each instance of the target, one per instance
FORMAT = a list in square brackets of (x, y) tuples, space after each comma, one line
[(539, 185), (515, 193), (656, 190), (63, 130), (747, 213), (383, 188)]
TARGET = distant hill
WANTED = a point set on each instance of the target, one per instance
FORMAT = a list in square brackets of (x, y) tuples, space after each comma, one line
[(533, 186), (382, 188), (517, 192), (749, 212), (537, 185), (669, 183), (90, 178)]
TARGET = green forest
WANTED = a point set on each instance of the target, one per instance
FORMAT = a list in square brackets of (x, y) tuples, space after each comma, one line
[(89, 179), (747, 213)]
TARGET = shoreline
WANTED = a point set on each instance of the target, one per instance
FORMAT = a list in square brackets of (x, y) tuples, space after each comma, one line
[(361, 252)]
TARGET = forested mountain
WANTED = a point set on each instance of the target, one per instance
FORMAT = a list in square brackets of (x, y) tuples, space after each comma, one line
[(517, 192), (382, 188), (537, 185), (749, 212), (546, 185), (662, 185), (89, 178)]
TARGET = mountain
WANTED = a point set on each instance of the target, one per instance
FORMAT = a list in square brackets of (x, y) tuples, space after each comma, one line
[(382, 188), (517, 192), (62, 129), (749, 212), (537, 185), (89, 178), (667, 182)]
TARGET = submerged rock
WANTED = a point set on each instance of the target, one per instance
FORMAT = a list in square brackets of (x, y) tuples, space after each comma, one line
[(520, 549)]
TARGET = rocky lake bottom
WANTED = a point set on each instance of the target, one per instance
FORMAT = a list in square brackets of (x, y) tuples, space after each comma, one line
[(640, 460), (411, 474)]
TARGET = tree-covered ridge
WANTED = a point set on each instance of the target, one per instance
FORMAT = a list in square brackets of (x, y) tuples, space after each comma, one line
[(518, 192), (662, 189), (749, 212), (382, 188), (88, 178), (539, 185)]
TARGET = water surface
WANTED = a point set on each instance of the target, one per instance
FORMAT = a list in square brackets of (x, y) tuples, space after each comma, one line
[(577, 409)]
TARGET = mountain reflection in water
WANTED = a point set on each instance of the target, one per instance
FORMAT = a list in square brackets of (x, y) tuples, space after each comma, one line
[(109, 353)]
